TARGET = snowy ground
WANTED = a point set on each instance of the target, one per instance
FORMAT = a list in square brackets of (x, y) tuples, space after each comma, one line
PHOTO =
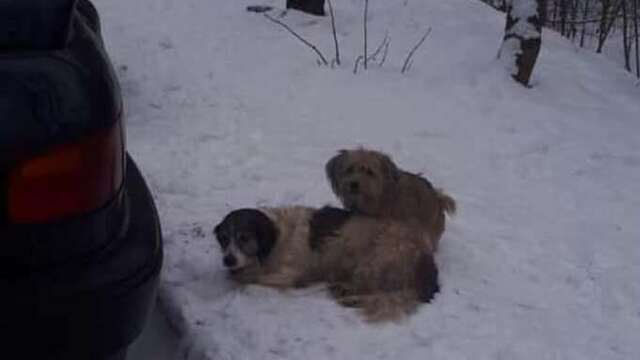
[(225, 109)]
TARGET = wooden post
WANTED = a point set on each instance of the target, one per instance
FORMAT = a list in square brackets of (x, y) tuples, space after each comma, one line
[(521, 42)]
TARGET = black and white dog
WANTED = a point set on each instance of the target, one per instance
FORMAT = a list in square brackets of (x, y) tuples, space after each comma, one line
[(381, 266)]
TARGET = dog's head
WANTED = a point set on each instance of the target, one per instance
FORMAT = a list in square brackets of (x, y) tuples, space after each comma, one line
[(246, 237), (364, 180)]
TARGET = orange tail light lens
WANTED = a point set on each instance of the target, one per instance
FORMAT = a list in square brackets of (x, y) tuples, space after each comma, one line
[(68, 180)]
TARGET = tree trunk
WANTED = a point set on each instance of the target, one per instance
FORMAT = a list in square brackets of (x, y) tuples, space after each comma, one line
[(636, 19), (584, 24), (521, 42), (554, 15), (563, 18), (626, 40), (602, 29), (606, 22), (315, 7), (574, 19)]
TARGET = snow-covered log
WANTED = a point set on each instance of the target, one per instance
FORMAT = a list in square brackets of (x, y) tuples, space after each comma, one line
[(315, 7), (522, 37)]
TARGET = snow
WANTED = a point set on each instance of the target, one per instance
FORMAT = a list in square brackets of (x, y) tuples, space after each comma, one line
[(523, 10), (226, 109), (508, 54)]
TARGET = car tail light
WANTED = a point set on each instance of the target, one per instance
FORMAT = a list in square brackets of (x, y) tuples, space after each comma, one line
[(68, 180)]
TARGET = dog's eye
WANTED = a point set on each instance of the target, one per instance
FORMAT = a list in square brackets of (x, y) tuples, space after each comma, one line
[(370, 173), (223, 240), (350, 170), (242, 239)]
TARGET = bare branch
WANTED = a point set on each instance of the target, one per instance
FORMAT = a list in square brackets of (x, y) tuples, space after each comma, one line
[(373, 56), (582, 22), (383, 45), (324, 60), (335, 37), (605, 28), (410, 64), (357, 62), (406, 62), (366, 11), (384, 55), (333, 27)]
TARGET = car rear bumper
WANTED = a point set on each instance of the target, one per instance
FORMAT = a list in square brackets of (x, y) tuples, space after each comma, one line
[(88, 309)]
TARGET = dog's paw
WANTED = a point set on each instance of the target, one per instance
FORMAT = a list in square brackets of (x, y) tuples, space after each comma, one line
[(280, 280), (244, 277), (354, 301), (339, 290), (345, 295)]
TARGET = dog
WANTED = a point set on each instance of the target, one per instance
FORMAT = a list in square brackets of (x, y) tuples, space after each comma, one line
[(381, 267), (369, 182)]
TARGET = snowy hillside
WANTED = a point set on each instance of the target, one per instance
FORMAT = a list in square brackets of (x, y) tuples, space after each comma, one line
[(226, 109)]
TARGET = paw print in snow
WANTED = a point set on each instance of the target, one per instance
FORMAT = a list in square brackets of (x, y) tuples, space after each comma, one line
[(198, 232)]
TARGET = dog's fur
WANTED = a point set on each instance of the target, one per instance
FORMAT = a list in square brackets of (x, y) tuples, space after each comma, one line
[(382, 267), (370, 183)]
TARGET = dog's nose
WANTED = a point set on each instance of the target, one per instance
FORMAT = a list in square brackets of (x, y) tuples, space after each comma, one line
[(354, 186), (229, 261)]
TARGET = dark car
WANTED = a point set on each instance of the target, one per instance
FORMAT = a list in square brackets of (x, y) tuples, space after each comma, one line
[(80, 241)]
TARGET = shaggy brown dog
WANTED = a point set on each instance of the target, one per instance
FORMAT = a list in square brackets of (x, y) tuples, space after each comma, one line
[(370, 183), (382, 267)]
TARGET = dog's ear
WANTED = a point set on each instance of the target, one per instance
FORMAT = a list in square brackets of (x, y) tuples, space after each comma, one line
[(222, 240), (332, 169), (389, 168), (267, 235)]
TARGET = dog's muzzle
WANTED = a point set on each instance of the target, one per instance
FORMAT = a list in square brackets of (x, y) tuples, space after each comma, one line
[(354, 187), (230, 261)]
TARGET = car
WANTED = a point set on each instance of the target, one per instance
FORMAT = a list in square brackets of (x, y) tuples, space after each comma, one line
[(80, 239)]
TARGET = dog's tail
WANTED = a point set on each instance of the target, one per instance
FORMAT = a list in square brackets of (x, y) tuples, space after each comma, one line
[(447, 202)]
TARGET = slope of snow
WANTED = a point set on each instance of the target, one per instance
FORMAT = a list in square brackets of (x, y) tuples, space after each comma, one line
[(226, 109)]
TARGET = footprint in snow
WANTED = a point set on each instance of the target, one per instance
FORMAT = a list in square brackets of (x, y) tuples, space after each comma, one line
[(166, 44)]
